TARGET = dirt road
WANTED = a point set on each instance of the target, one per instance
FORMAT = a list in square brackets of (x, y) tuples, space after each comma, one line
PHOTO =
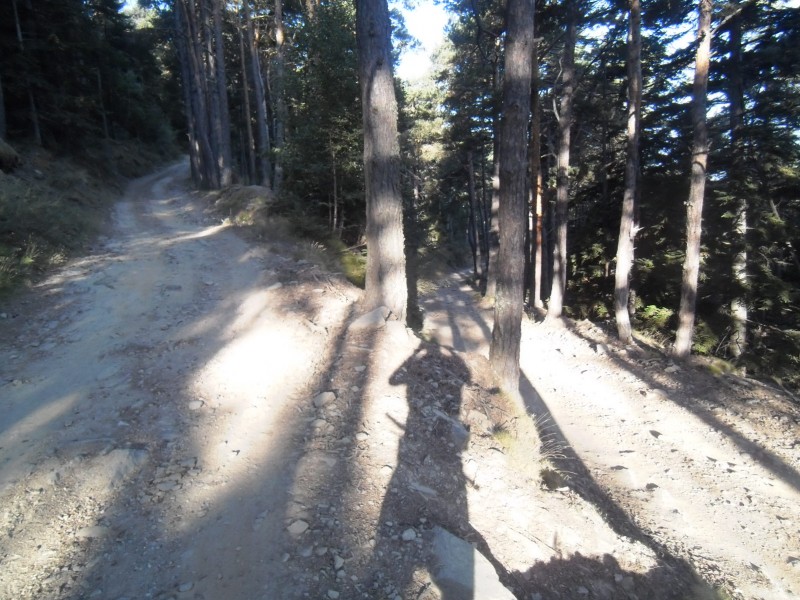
[(147, 409), (705, 468), (183, 415)]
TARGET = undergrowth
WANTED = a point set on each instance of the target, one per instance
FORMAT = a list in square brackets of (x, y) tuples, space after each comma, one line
[(52, 206)]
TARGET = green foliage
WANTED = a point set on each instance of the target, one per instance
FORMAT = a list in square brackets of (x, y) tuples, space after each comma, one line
[(89, 74)]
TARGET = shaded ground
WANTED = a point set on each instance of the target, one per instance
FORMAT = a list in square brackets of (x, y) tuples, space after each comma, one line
[(184, 414)]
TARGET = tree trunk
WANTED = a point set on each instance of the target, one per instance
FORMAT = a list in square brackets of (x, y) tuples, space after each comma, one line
[(628, 226), (196, 109), (279, 95), (385, 277), (535, 295), (694, 204), (472, 234), (264, 167), (506, 333), (738, 341), (248, 122), (224, 152), (560, 257), (493, 217)]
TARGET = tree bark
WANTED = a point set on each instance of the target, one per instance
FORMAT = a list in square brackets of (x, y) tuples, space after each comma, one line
[(202, 156), (559, 286), (264, 166), (248, 121), (506, 333), (224, 152), (472, 233), (694, 204), (628, 226), (493, 216), (738, 341), (535, 295), (386, 263), (279, 95)]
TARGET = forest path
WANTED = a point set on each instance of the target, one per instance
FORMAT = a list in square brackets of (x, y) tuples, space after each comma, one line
[(148, 411), (705, 467)]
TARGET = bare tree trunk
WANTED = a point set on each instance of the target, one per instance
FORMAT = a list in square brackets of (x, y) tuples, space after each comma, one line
[(265, 169), (560, 256), (386, 262), (738, 341), (279, 95), (694, 204), (472, 233), (224, 152), (493, 217), (535, 295), (248, 122), (628, 226), (506, 333), (190, 55)]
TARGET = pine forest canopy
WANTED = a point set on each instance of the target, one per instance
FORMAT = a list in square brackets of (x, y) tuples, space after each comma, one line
[(267, 92)]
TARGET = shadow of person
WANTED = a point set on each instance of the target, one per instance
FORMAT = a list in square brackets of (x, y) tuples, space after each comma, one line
[(427, 490)]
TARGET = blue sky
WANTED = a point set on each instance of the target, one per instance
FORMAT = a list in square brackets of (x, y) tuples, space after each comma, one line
[(426, 22)]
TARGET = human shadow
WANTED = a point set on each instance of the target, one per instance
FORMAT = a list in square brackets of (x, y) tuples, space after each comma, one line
[(580, 480), (428, 486)]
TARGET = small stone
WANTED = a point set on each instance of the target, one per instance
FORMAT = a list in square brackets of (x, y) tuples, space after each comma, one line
[(298, 527), (318, 423), (333, 594), (672, 369), (361, 436), (583, 591), (167, 486), (338, 562), (95, 531), (195, 404), (321, 551), (409, 535), (361, 368), (324, 399), (275, 286), (185, 587)]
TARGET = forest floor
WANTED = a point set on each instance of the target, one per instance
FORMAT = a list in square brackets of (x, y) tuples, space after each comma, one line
[(190, 412)]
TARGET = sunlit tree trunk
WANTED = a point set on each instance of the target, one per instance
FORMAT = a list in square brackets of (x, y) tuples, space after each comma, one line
[(506, 333), (560, 257), (535, 295), (738, 342), (473, 216), (385, 283), (694, 204), (628, 227), (493, 238)]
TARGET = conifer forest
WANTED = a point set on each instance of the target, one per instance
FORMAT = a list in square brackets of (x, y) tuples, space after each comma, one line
[(634, 163)]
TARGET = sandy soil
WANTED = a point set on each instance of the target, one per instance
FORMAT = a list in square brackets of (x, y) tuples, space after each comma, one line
[(186, 414)]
